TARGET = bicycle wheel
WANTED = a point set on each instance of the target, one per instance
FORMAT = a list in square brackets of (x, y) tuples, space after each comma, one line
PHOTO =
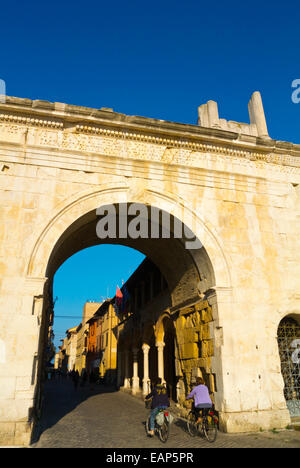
[(210, 429), (147, 425), (164, 430), (192, 426)]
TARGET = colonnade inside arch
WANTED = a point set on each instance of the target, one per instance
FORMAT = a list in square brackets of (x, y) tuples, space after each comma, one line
[(129, 377), (177, 346)]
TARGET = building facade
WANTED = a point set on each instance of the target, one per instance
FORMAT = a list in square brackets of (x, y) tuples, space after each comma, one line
[(93, 346), (108, 342), (236, 189), (71, 348), (82, 333)]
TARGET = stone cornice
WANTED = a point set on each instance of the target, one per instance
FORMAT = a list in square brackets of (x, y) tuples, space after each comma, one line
[(23, 120), (75, 120)]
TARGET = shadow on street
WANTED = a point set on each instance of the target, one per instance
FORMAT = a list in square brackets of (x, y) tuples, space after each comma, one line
[(60, 398)]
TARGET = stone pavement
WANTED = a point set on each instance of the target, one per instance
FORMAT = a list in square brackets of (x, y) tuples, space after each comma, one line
[(105, 418)]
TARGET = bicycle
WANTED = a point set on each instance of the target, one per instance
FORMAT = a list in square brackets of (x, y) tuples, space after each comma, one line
[(161, 425), (208, 427)]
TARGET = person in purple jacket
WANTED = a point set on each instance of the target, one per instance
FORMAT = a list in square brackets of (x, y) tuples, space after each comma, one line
[(202, 400)]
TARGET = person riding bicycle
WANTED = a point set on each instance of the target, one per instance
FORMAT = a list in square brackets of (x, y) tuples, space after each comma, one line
[(160, 400), (202, 400)]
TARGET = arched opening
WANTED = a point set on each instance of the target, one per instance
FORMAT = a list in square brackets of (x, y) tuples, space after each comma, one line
[(288, 337), (167, 248), (185, 276)]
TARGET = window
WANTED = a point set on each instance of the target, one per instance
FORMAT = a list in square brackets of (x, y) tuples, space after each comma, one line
[(288, 342)]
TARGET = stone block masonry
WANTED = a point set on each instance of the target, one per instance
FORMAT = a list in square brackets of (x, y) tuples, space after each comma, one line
[(237, 190)]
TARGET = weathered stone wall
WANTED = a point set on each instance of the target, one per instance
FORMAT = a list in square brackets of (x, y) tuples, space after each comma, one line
[(194, 345), (238, 193)]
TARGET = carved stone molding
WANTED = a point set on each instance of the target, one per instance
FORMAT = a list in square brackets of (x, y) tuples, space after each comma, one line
[(23, 120), (145, 142)]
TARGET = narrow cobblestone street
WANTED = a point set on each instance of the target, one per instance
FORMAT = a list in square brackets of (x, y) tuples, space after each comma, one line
[(104, 418)]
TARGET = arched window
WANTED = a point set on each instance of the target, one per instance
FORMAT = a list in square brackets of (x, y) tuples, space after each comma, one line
[(289, 351)]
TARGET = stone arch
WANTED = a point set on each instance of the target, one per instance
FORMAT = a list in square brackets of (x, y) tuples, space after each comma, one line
[(159, 331), (42, 244), (71, 227), (165, 335), (149, 348), (160, 327)]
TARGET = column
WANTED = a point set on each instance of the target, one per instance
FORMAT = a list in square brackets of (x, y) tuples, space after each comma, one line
[(203, 115), (126, 376), (146, 380), (135, 378), (213, 113), (257, 115), (119, 368), (160, 354)]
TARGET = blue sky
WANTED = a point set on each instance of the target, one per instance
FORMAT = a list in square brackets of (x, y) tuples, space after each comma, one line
[(158, 59), (90, 275)]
